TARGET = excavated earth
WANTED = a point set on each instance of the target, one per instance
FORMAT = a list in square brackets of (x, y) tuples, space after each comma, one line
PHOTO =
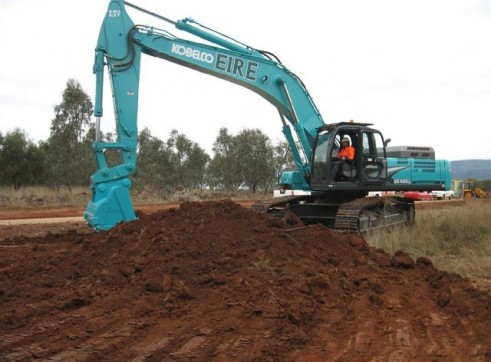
[(214, 281)]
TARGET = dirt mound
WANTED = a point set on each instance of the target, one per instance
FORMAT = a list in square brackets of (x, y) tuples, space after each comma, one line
[(214, 281)]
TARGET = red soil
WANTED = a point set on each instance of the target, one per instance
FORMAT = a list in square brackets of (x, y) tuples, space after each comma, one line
[(214, 281)]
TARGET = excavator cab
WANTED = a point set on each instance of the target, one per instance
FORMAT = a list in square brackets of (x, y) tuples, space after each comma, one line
[(368, 167)]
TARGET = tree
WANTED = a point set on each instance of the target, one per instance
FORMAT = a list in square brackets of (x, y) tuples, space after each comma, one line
[(154, 168), (73, 114), (21, 161), (245, 160), (69, 157), (224, 169), (282, 160), (255, 155), (189, 161)]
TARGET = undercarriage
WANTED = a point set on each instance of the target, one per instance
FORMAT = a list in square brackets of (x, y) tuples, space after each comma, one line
[(358, 216)]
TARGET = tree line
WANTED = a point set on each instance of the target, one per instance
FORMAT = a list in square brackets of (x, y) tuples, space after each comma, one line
[(248, 159)]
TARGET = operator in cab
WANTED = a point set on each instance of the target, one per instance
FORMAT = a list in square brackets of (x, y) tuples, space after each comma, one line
[(346, 153)]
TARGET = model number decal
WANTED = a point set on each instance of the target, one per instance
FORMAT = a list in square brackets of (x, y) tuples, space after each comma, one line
[(402, 181), (114, 13)]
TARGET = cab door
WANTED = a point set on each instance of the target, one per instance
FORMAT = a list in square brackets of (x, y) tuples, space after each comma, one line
[(373, 165), (320, 176)]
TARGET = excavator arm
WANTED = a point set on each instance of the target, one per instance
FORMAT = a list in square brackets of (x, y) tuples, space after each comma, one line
[(119, 48)]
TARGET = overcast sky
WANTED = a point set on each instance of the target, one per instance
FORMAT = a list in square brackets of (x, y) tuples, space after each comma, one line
[(419, 70)]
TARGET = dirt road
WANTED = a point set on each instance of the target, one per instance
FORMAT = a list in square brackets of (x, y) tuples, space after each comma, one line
[(216, 282)]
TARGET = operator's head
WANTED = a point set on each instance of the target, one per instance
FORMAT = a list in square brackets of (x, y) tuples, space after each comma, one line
[(345, 141)]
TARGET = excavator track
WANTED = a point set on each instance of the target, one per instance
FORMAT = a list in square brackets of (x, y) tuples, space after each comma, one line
[(277, 205), (356, 216), (368, 213)]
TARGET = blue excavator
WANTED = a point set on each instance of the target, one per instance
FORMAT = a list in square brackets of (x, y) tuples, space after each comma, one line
[(337, 201)]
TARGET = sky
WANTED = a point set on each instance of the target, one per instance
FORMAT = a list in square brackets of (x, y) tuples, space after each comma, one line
[(419, 70)]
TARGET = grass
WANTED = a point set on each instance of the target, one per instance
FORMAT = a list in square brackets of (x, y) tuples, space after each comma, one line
[(38, 196), (457, 239)]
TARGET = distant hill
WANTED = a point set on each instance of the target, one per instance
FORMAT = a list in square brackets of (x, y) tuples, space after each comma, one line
[(478, 169)]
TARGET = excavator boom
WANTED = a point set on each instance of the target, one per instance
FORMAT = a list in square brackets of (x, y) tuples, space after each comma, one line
[(119, 48)]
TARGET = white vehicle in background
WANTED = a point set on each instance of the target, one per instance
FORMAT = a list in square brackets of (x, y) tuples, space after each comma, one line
[(442, 195)]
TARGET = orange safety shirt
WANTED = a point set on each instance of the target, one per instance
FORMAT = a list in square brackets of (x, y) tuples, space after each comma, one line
[(347, 152)]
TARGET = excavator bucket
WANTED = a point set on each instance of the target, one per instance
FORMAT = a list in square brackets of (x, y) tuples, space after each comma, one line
[(110, 205)]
